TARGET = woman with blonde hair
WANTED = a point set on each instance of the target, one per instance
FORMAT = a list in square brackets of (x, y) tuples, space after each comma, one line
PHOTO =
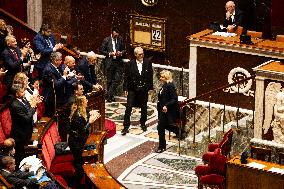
[(168, 108), (80, 120)]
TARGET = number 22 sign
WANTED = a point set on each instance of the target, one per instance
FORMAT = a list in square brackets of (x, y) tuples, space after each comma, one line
[(156, 35)]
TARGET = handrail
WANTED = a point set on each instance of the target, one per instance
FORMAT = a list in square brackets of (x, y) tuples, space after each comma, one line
[(186, 101), (16, 19)]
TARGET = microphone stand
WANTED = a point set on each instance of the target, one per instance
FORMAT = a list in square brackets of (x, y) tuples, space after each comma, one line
[(55, 101)]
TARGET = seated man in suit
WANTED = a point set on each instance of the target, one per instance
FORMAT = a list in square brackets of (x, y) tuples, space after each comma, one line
[(54, 83), (22, 113), (86, 68), (44, 43), (233, 17), (13, 59), (19, 179)]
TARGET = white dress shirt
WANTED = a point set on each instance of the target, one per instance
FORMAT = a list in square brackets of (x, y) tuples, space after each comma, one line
[(139, 66)]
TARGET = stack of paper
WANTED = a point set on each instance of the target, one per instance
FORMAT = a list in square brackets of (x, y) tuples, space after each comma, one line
[(224, 34), (256, 165), (277, 170)]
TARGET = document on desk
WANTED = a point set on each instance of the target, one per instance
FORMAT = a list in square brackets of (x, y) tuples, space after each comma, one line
[(224, 34), (256, 165), (277, 170)]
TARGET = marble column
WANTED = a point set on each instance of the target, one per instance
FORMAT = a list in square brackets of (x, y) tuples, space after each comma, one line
[(192, 71), (34, 14), (259, 96)]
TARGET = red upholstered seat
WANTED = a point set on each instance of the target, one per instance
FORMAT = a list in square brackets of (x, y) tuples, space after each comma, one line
[(207, 156), (6, 122), (110, 127), (213, 146), (57, 164), (214, 180), (63, 158), (213, 174), (65, 169)]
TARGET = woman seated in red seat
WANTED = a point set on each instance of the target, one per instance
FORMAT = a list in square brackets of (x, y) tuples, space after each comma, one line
[(80, 120)]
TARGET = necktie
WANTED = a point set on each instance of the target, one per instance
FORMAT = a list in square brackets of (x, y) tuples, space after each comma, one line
[(15, 55)]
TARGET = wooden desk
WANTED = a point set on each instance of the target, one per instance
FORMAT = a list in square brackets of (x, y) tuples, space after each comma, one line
[(100, 177), (240, 176), (97, 155), (212, 58)]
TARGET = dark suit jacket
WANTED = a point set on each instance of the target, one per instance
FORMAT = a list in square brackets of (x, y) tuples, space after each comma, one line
[(68, 92), (20, 179), (50, 74), (41, 46), (22, 121), (106, 47), (238, 19), (11, 64), (168, 97), (88, 71), (132, 78)]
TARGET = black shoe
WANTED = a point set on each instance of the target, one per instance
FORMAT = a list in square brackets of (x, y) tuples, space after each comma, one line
[(124, 131), (160, 150), (144, 127)]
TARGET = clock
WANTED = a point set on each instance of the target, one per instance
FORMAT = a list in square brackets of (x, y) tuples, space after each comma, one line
[(149, 2)]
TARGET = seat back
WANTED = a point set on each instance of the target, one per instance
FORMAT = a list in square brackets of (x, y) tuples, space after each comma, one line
[(280, 38), (281, 158), (48, 140), (225, 147), (259, 153), (254, 34)]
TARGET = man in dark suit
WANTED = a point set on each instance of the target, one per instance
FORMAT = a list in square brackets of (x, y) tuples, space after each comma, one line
[(44, 43), (18, 178), (113, 48), (86, 68), (22, 113), (13, 59), (138, 81), (233, 18), (54, 82)]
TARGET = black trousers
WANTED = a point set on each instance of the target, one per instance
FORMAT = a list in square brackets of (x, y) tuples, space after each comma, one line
[(162, 126), (136, 99), (114, 73), (76, 145)]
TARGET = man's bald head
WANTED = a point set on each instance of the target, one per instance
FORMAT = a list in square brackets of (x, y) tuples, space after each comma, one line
[(69, 61)]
